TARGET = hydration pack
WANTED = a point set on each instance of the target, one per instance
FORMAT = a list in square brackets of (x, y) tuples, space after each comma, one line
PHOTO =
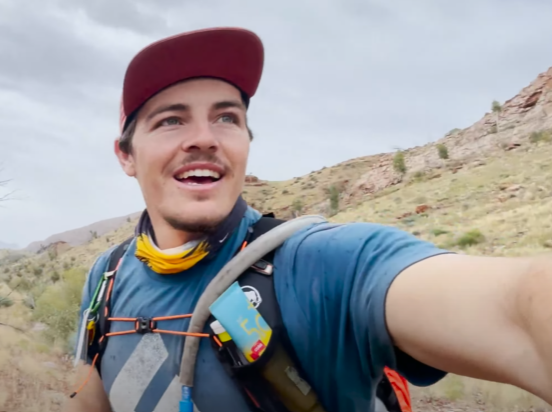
[(275, 382)]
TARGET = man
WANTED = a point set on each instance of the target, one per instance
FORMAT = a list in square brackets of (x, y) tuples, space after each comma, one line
[(355, 298)]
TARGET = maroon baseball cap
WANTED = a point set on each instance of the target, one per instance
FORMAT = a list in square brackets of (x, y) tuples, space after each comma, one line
[(232, 54)]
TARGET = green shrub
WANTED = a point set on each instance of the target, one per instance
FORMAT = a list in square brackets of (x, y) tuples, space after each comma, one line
[(473, 237), (22, 284), (334, 199), (540, 136), (438, 232), (443, 151), (55, 276), (5, 302), (297, 205), (398, 163), (58, 306)]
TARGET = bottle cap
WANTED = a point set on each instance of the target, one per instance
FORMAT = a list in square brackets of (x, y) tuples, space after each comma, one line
[(217, 327)]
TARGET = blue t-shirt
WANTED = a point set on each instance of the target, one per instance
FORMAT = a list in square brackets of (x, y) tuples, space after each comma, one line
[(331, 281)]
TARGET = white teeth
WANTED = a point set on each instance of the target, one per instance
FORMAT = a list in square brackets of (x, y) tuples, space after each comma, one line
[(199, 173)]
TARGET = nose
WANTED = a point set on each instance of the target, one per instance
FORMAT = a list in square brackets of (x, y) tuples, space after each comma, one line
[(202, 139)]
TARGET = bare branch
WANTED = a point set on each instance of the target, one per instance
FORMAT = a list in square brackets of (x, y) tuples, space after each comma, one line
[(13, 327), (5, 196)]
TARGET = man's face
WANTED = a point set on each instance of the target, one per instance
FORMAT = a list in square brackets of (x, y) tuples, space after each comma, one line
[(189, 153)]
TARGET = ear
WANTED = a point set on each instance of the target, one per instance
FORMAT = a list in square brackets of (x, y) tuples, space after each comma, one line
[(125, 160)]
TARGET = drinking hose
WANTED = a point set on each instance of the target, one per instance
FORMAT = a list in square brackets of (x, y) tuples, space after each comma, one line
[(222, 281)]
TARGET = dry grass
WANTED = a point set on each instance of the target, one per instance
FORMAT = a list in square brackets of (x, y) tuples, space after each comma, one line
[(33, 378), (478, 395)]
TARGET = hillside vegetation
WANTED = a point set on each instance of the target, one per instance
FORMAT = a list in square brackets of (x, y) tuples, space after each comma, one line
[(486, 189)]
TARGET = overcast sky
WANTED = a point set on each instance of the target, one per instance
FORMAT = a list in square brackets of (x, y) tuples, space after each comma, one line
[(342, 79)]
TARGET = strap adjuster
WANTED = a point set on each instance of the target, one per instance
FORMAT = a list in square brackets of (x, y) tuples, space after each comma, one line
[(263, 267), (145, 325)]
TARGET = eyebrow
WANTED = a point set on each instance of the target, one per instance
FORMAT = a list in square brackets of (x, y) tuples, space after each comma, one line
[(177, 107), (228, 104)]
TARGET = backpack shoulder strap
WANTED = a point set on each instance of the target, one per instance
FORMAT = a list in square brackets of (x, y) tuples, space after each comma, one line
[(274, 382), (99, 342)]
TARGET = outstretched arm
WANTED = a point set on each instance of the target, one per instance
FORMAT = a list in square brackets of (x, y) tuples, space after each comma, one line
[(485, 317)]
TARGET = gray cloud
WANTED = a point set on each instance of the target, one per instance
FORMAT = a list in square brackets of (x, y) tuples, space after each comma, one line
[(342, 79)]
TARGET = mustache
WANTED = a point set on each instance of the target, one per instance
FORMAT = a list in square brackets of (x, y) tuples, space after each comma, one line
[(207, 158)]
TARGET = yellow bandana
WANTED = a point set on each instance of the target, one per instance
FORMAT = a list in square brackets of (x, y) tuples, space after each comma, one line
[(167, 264), (175, 261)]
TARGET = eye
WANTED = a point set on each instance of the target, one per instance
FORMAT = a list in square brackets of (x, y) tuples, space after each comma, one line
[(228, 118), (169, 121)]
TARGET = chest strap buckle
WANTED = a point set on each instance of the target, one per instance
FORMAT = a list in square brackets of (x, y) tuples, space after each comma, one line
[(145, 325)]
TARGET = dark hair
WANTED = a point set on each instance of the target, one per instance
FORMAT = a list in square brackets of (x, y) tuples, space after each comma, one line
[(125, 141)]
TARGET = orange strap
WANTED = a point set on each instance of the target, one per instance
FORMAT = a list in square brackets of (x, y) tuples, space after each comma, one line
[(161, 318), (400, 386)]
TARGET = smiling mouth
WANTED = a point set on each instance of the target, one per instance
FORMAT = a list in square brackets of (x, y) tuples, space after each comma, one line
[(198, 177)]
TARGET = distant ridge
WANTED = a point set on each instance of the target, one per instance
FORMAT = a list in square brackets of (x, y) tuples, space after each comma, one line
[(82, 235), (11, 246)]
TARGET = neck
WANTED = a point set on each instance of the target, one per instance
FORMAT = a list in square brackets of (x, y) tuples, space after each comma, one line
[(167, 237)]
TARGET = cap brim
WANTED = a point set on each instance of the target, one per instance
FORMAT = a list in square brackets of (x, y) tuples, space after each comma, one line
[(231, 54)]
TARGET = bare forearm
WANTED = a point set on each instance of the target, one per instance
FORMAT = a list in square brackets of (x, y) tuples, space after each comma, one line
[(91, 397), (487, 318), (534, 303), (80, 404)]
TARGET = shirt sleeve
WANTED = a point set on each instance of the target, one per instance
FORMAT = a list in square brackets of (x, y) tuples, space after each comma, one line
[(335, 280)]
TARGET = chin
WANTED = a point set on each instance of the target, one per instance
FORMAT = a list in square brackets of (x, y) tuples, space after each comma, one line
[(198, 216)]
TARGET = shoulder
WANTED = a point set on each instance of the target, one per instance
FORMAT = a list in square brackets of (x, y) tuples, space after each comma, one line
[(345, 269), (339, 275), (376, 242)]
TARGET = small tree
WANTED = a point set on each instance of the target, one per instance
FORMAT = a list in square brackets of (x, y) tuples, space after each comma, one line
[(334, 199), (496, 108), (55, 276), (443, 151), (297, 207), (398, 163)]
